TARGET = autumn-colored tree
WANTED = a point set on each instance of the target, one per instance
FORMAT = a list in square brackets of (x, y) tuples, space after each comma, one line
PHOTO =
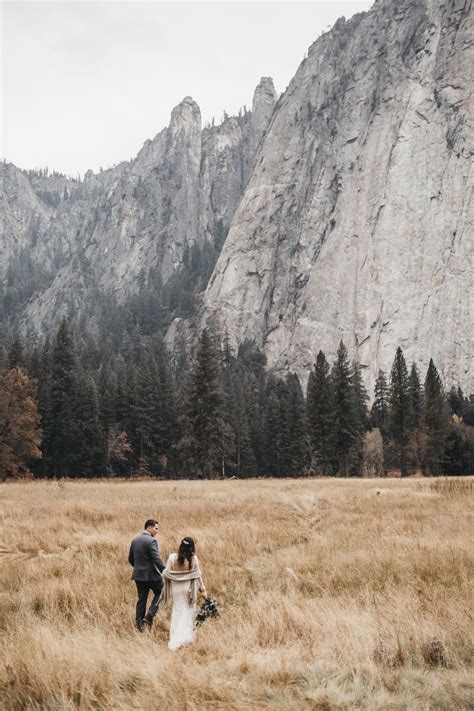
[(118, 448), (20, 434)]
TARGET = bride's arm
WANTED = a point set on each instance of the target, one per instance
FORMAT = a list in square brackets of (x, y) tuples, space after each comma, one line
[(202, 587)]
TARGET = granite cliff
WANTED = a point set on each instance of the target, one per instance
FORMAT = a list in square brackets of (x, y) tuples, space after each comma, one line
[(357, 223), (341, 211), (125, 228)]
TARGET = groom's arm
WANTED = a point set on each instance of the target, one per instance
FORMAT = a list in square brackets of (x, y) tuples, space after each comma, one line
[(155, 555), (131, 559)]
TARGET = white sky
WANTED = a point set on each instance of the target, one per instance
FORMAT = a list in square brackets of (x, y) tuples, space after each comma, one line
[(84, 84)]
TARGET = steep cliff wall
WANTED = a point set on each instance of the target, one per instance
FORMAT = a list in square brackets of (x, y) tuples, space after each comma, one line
[(107, 234), (357, 223)]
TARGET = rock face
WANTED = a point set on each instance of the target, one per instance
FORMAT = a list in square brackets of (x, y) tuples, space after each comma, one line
[(357, 222), (108, 234), (344, 209)]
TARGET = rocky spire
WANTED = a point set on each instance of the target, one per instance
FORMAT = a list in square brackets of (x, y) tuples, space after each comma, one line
[(264, 100), (186, 117)]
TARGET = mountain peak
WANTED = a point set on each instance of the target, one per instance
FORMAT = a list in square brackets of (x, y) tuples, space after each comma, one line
[(187, 112), (264, 93)]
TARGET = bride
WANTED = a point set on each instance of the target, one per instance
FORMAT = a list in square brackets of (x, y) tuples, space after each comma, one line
[(182, 579)]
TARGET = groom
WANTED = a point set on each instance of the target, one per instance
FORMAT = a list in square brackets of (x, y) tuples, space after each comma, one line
[(145, 558)]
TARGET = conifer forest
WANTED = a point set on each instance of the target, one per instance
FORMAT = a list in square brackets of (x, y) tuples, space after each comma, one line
[(71, 409)]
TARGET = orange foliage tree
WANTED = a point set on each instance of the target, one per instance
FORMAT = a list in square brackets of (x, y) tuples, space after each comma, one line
[(20, 433)]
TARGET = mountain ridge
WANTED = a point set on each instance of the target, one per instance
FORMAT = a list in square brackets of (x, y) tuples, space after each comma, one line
[(340, 211)]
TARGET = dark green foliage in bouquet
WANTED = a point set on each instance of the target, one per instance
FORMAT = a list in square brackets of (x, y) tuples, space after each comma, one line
[(209, 608)]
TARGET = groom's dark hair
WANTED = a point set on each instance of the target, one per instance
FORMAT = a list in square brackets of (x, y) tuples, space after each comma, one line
[(150, 522)]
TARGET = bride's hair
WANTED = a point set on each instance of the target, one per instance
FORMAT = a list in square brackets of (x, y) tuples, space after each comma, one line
[(186, 551)]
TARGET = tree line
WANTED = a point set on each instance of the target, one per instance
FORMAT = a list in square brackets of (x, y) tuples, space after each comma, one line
[(147, 412)]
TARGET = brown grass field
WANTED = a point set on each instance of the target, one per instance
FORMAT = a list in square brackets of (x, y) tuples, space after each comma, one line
[(336, 594)]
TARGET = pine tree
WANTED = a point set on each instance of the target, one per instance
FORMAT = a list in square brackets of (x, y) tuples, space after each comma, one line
[(415, 395), (321, 416), (169, 432), (87, 457), (297, 418), (62, 416), (44, 466), (205, 426), (245, 402), (361, 419), (250, 396), (361, 397), (284, 428), (456, 401), (379, 412), (147, 413), (107, 395), (399, 413), (229, 407), (127, 405), (345, 420), (435, 422), (272, 430), (251, 361)]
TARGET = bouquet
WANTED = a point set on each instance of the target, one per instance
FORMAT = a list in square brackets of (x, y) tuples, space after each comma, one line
[(209, 608)]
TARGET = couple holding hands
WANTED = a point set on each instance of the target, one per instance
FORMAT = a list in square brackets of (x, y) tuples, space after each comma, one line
[(180, 579)]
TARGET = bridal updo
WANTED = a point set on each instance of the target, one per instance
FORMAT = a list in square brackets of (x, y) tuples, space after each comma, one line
[(186, 551)]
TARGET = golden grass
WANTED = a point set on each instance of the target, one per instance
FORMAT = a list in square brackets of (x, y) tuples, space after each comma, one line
[(336, 594)]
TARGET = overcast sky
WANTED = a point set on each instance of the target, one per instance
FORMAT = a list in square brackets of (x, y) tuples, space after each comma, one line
[(84, 84)]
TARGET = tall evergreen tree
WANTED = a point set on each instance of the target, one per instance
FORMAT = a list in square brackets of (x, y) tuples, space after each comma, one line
[(321, 416), (63, 380), (147, 411), (456, 401), (297, 418), (205, 425), (252, 404), (415, 395), (126, 405), (169, 431), (399, 414), (87, 457), (272, 430), (379, 412), (229, 412), (44, 466), (435, 422), (251, 361), (284, 428), (361, 415), (360, 396), (346, 427), (106, 394), (246, 402)]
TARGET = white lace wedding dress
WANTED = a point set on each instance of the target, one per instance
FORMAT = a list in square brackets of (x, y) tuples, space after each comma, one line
[(183, 615)]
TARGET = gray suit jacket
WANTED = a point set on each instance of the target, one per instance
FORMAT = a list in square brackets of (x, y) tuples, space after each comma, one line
[(145, 558)]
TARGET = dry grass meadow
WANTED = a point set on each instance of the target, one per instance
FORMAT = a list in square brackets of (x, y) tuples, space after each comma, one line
[(336, 594)]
